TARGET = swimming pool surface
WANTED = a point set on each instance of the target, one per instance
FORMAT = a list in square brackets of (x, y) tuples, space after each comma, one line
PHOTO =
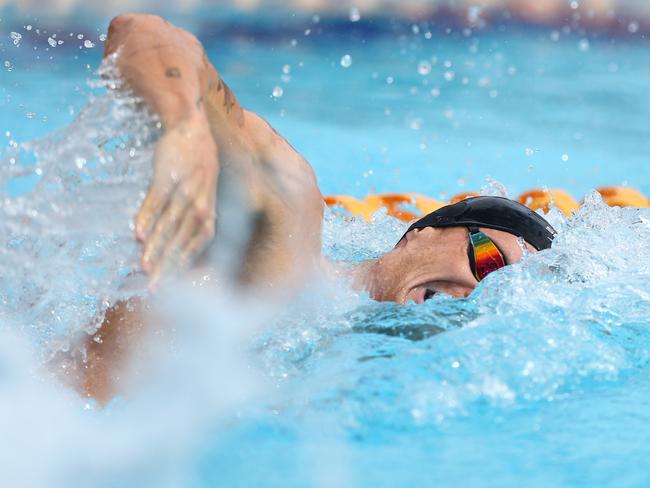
[(540, 378)]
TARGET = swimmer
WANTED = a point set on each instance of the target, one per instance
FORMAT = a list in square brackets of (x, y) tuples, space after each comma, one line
[(211, 145)]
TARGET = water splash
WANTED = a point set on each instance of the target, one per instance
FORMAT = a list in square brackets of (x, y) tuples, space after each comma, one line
[(532, 334), (68, 200), (537, 331)]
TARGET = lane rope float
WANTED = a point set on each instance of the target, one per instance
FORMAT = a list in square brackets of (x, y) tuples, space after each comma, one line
[(409, 206)]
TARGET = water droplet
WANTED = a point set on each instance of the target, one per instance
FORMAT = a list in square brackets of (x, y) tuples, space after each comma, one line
[(565, 157), (80, 36), (450, 75), (88, 44), (278, 92), (346, 61), (555, 36), (583, 45), (15, 37), (633, 27), (435, 92), (28, 27), (529, 151), (355, 15), (416, 124), (30, 115), (286, 69), (424, 68), (102, 37), (51, 41)]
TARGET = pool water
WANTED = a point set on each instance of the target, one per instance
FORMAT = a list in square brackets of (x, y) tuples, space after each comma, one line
[(539, 378)]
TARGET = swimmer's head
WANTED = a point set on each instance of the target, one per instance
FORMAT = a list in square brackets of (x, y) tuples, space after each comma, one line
[(450, 250)]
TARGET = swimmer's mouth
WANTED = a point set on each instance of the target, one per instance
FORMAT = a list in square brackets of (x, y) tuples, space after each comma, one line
[(429, 294)]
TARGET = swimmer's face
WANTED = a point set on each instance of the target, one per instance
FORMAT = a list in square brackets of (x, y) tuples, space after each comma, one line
[(433, 260)]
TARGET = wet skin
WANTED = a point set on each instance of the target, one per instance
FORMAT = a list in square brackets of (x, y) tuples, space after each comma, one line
[(429, 261)]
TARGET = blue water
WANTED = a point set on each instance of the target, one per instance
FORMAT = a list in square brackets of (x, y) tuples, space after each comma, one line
[(539, 378)]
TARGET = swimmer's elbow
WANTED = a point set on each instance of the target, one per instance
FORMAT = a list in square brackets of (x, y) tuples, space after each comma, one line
[(127, 22), (121, 26)]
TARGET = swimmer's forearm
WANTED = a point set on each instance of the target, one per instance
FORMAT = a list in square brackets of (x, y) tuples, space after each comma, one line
[(161, 63)]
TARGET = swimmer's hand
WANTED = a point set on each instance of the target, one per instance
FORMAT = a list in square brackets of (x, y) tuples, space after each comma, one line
[(177, 219)]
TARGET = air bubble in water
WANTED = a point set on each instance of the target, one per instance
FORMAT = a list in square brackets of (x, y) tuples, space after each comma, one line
[(88, 44), (51, 41), (583, 45), (102, 37), (355, 15), (424, 68), (346, 61), (278, 92)]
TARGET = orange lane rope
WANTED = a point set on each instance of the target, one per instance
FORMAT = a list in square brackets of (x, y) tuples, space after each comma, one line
[(408, 206)]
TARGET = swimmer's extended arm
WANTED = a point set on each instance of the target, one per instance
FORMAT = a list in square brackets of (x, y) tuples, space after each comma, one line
[(167, 67)]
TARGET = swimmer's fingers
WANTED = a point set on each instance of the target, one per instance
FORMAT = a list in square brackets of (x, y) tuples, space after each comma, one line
[(198, 243), (153, 205), (193, 236), (168, 223), (172, 258), (197, 223), (203, 216)]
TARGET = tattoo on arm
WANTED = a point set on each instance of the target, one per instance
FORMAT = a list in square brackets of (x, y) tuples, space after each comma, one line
[(228, 98), (173, 72)]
